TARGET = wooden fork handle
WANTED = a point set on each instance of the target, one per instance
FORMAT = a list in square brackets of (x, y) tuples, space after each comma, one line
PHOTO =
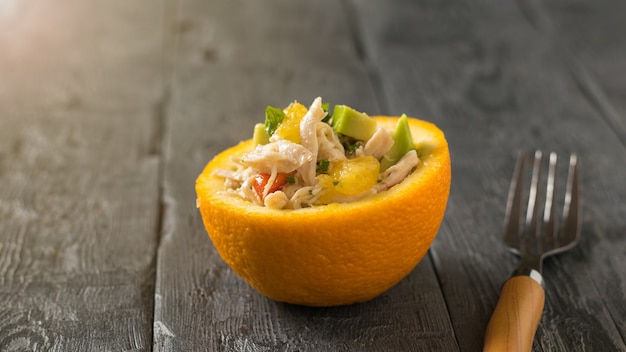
[(515, 319)]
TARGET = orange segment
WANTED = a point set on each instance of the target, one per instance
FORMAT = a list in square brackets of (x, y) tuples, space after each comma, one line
[(334, 254), (289, 129), (354, 176)]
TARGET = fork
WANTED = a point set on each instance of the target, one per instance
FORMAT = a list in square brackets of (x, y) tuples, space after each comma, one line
[(517, 314)]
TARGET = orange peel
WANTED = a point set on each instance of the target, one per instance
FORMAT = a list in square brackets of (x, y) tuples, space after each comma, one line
[(335, 254)]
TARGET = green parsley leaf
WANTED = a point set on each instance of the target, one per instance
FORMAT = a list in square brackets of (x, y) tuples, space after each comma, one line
[(273, 118), (322, 166), (291, 179)]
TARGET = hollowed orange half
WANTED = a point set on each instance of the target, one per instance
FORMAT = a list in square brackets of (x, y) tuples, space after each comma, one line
[(332, 254)]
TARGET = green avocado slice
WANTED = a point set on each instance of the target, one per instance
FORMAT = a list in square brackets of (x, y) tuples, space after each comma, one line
[(402, 143), (352, 123), (260, 134)]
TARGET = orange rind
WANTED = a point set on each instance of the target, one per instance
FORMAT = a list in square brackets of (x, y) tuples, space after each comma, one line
[(335, 254)]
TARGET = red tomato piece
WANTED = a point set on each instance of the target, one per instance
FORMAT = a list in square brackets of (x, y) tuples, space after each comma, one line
[(260, 181)]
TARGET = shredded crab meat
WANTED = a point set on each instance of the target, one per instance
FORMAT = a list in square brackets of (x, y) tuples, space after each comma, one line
[(398, 172), (285, 155), (276, 200), (270, 181), (308, 139), (378, 144), (318, 141), (234, 179), (246, 191), (329, 145), (305, 196)]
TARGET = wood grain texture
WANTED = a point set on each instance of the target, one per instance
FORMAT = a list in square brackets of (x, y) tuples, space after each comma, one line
[(494, 83), (591, 35), (109, 109), (79, 98), (515, 318), (230, 65), (589, 38)]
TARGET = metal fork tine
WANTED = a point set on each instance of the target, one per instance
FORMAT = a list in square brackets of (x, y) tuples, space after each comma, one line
[(532, 210), (514, 202), (549, 214), (518, 312), (571, 208), (539, 236)]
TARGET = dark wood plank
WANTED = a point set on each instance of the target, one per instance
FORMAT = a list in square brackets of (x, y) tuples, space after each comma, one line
[(80, 96), (233, 59), (593, 36), (590, 37), (483, 73)]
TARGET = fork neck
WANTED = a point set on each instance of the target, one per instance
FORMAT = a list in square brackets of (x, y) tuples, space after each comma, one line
[(530, 272)]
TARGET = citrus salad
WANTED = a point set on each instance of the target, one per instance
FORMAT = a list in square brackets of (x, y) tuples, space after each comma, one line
[(307, 157)]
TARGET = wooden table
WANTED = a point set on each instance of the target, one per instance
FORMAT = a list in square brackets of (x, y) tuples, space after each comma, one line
[(109, 109)]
